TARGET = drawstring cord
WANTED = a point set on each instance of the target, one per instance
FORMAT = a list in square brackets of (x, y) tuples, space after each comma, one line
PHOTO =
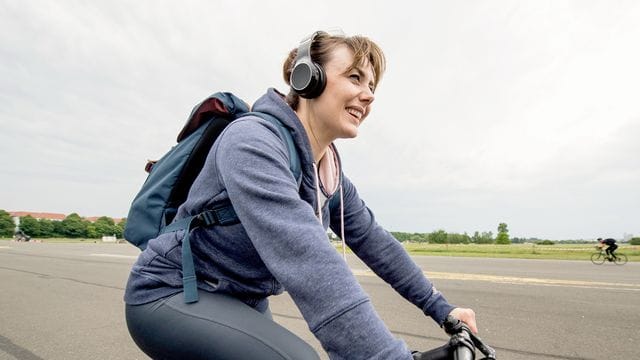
[(316, 180), (344, 245)]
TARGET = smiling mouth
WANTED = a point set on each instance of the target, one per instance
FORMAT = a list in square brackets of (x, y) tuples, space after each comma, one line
[(356, 113)]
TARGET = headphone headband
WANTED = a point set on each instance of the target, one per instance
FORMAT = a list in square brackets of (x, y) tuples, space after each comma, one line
[(304, 49)]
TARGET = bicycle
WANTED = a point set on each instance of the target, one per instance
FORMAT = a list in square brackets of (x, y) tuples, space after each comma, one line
[(461, 346), (601, 256)]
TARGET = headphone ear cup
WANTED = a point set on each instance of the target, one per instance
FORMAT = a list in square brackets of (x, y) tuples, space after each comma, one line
[(307, 79), (320, 84)]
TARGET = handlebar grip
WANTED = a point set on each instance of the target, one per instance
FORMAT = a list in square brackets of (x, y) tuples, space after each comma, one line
[(440, 353), (463, 353)]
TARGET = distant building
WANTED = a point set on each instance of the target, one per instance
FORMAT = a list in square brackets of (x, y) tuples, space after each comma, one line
[(16, 215), (95, 218), (38, 215)]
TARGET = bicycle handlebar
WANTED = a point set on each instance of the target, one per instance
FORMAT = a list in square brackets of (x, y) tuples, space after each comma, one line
[(461, 345)]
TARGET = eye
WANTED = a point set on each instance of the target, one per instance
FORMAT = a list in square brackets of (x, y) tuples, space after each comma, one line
[(355, 77)]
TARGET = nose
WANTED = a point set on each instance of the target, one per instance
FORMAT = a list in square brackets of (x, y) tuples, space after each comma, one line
[(367, 96)]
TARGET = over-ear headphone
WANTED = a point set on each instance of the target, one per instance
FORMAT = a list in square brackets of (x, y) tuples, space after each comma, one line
[(307, 77)]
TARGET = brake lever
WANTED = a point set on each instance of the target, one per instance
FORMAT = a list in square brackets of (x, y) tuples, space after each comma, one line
[(453, 325), (488, 351)]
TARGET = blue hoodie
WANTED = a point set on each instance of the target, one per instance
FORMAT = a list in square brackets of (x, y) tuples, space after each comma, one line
[(280, 243)]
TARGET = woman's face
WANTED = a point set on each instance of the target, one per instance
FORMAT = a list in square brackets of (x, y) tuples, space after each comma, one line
[(347, 97)]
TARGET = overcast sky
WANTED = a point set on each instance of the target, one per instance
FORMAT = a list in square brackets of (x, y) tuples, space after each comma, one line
[(523, 112)]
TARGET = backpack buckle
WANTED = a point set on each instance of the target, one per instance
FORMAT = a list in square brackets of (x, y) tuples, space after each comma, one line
[(224, 215), (207, 218)]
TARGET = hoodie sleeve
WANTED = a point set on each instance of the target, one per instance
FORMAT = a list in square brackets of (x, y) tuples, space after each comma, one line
[(253, 166), (386, 256)]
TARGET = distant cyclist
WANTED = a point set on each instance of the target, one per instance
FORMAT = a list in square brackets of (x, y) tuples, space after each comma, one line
[(611, 247)]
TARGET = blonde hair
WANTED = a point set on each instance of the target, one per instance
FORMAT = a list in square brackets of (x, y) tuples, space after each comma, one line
[(364, 50)]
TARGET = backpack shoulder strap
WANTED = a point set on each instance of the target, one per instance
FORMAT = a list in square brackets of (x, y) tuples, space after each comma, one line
[(285, 134), (223, 214)]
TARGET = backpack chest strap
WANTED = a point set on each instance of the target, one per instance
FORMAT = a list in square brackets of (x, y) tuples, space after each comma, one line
[(221, 215)]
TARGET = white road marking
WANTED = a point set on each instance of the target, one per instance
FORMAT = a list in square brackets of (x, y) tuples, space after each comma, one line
[(480, 277), (116, 256), (518, 280)]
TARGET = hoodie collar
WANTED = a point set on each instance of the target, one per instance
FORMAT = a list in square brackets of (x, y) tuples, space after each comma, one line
[(273, 103)]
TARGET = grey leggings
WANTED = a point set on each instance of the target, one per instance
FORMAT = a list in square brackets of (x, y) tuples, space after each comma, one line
[(216, 327)]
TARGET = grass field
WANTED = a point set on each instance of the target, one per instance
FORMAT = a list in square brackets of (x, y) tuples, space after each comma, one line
[(519, 251)]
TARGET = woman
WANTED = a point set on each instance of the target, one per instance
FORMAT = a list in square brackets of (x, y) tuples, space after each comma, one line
[(280, 242)]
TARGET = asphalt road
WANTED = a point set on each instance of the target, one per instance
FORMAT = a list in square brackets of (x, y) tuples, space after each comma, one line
[(64, 301)]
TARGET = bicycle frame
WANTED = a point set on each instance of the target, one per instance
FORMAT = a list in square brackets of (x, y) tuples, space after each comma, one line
[(599, 257)]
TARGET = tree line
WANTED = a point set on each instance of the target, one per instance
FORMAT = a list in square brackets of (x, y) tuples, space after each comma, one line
[(443, 237), (73, 226)]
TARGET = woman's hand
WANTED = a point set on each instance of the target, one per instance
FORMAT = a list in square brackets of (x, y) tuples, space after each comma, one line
[(467, 316)]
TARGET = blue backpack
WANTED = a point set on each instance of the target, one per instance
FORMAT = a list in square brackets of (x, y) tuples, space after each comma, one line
[(154, 208)]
